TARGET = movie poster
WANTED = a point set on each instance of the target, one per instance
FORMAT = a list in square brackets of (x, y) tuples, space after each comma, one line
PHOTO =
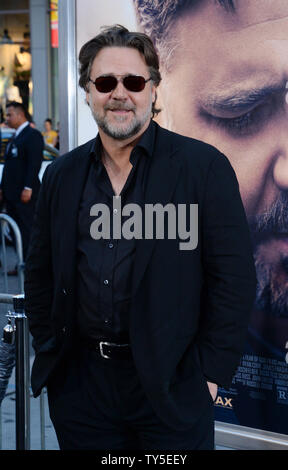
[(224, 67)]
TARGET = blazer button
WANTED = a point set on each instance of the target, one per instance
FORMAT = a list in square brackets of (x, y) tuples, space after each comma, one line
[(64, 329), (64, 291)]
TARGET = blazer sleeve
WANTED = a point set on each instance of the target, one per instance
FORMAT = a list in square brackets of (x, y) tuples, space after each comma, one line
[(34, 157), (39, 275), (229, 275)]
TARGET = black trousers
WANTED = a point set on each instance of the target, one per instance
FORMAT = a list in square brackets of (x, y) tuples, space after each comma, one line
[(99, 404)]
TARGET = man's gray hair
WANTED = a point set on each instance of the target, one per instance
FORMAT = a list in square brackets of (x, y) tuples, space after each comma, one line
[(157, 16), (119, 36)]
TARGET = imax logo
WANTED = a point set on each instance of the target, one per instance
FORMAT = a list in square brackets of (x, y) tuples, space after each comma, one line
[(224, 402)]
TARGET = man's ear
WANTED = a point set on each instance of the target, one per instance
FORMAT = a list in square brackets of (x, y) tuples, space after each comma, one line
[(154, 94), (158, 104)]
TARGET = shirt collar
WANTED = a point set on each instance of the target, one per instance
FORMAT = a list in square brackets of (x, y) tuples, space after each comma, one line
[(147, 139), (20, 128), (146, 142)]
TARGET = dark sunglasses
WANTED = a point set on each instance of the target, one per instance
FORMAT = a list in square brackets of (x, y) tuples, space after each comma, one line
[(109, 82)]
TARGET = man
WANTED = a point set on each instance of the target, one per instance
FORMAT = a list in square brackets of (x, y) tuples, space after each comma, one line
[(229, 59), (133, 333), (20, 183)]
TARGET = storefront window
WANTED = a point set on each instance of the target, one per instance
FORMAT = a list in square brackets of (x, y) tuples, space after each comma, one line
[(15, 60), (17, 55)]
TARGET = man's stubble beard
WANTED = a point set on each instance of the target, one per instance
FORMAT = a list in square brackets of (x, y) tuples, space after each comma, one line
[(121, 132), (268, 231)]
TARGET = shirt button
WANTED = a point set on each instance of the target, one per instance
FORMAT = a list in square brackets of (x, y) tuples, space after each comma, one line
[(106, 321), (106, 282), (110, 245), (115, 211)]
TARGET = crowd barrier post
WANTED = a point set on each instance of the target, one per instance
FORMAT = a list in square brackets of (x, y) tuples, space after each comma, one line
[(4, 218), (19, 327), (18, 332)]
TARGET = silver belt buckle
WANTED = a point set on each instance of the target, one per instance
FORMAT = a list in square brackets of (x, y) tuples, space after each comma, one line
[(108, 344), (101, 348)]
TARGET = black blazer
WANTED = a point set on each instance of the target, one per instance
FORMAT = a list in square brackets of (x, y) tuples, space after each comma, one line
[(23, 160), (190, 309)]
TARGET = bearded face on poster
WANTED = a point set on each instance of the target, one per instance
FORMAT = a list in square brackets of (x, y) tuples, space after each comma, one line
[(224, 67)]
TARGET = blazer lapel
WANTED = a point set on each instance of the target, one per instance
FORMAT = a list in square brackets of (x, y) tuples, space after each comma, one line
[(163, 176)]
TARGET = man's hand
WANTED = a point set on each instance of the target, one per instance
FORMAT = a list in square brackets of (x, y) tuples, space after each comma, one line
[(26, 195), (213, 389)]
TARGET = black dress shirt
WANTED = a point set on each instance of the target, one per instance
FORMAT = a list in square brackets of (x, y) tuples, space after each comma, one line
[(105, 266)]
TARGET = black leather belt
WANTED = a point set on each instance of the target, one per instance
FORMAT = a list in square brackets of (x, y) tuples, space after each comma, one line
[(109, 350)]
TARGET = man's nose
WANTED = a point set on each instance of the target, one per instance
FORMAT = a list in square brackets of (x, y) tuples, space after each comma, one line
[(280, 170), (120, 92)]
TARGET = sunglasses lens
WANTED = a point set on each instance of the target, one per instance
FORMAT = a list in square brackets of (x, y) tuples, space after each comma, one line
[(106, 84), (134, 83), (109, 83)]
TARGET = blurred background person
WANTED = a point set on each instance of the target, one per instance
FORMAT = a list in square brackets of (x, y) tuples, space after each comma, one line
[(20, 182), (50, 135)]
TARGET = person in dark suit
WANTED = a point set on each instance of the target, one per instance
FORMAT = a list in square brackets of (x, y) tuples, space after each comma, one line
[(20, 183), (133, 333)]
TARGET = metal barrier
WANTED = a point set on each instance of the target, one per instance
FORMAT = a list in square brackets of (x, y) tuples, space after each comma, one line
[(15, 346), (7, 363), (7, 220), (16, 332), (16, 339)]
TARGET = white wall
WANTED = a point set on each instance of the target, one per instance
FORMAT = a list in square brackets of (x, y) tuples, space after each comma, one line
[(40, 62)]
